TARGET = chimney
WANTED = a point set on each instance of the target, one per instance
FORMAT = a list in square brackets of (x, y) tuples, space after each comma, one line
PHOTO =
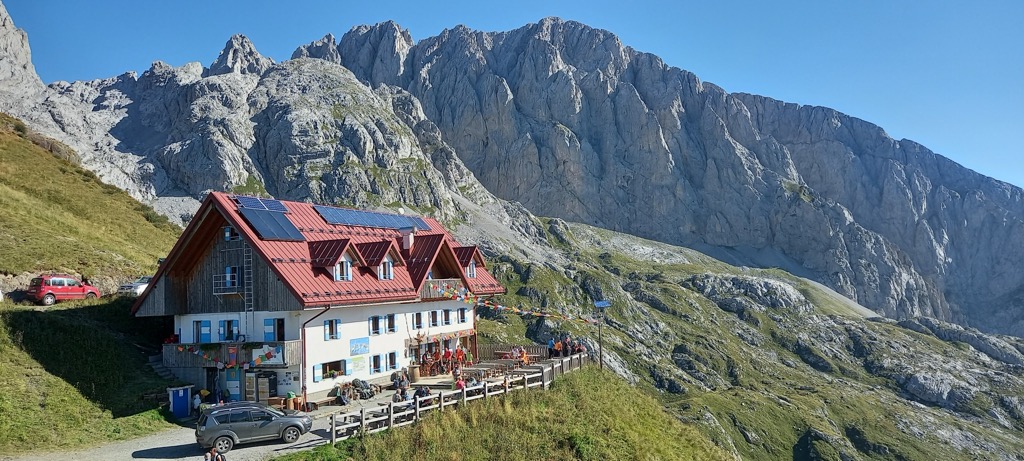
[(408, 234)]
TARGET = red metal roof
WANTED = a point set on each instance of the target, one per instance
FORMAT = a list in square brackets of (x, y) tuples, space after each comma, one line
[(299, 264), (467, 254), (327, 253)]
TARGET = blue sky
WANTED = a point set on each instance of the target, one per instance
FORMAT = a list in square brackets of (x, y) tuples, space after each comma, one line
[(947, 74)]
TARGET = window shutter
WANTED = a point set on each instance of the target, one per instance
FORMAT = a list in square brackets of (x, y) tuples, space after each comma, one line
[(221, 330), (344, 367), (327, 330), (318, 373), (268, 330), (337, 328), (204, 332)]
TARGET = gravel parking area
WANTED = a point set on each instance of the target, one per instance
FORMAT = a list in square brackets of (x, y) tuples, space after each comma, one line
[(180, 444)]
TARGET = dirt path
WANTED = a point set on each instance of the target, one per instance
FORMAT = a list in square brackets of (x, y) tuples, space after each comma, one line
[(180, 444)]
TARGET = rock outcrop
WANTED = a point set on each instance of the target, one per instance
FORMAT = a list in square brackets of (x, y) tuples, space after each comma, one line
[(566, 120)]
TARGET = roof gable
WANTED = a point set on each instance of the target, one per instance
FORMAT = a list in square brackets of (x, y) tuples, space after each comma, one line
[(298, 264), (327, 253)]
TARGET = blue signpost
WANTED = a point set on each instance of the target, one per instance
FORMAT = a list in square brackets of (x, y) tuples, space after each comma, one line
[(601, 306)]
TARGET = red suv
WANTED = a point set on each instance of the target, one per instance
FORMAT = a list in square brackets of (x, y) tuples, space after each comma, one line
[(50, 288)]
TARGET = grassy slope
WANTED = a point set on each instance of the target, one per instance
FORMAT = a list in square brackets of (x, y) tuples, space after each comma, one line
[(586, 415), (57, 216), (69, 376), (774, 404)]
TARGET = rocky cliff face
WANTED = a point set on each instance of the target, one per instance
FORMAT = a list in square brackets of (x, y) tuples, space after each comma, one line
[(566, 120), (569, 122)]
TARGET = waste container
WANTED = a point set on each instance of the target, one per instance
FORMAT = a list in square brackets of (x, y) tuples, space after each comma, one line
[(181, 400), (414, 373)]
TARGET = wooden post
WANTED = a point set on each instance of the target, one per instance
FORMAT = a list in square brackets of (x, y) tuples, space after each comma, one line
[(334, 430), (416, 403), (463, 396), (391, 414), (440, 400), (526, 381), (362, 421), (485, 390)]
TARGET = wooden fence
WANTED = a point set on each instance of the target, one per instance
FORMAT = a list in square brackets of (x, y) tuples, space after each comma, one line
[(498, 351), (391, 415)]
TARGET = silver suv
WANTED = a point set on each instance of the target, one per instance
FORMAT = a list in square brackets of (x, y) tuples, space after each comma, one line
[(223, 426)]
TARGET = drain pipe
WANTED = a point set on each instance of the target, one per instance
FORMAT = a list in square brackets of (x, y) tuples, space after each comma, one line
[(302, 361)]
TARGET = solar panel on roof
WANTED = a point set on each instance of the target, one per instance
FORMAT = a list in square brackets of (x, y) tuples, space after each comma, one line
[(257, 203), (274, 205), (250, 202), (271, 225), (368, 218)]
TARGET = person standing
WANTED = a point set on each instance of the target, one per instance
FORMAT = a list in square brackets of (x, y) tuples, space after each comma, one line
[(551, 348), (557, 347), (196, 401)]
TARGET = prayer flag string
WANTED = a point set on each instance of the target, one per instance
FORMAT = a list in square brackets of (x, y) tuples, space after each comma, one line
[(470, 298)]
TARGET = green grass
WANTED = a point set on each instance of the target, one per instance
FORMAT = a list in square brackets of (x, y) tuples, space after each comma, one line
[(71, 377), (57, 216), (587, 415)]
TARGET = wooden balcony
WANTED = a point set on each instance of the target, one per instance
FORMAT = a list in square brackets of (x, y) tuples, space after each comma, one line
[(220, 352), (434, 289)]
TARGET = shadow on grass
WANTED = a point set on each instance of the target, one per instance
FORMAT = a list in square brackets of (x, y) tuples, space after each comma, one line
[(98, 348)]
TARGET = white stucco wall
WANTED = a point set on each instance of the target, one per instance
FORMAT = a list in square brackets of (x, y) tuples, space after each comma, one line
[(355, 326)]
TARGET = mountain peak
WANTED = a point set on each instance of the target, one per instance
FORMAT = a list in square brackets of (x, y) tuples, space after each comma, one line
[(240, 56), (326, 48), (17, 74)]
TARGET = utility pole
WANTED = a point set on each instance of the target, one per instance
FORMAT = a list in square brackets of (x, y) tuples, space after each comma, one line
[(600, 306)]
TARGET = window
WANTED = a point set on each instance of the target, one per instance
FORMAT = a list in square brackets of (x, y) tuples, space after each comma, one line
[(273, 329), (377, 362), (343, 271), (393, 360), (385, 271), (259, 416), (463, 317), (433, 319), (471, 270), (389, 320), (332, 329), (417, 320), (227, 330), (330, 370), (375, 325), (240, 416), (231, 276), (230, 233), (447, 316)]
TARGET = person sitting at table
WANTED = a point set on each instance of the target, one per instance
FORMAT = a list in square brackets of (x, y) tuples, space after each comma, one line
[(397, 397), (473, 381), (460, 384), (422, 393), (558, 348), (523, 357)]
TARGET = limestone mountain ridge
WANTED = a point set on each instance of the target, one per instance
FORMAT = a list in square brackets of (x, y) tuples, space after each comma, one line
[(566, 120)]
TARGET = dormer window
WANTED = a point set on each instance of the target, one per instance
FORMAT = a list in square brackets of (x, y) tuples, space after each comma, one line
[(471, 270), (386, 270), (230, 233), (343, 270)]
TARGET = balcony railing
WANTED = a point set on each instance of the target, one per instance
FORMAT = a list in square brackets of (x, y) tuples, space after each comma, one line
[(290, 353), (436, 288), (226, 284)]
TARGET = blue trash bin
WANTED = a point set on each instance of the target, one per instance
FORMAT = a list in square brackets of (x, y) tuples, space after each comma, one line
[(181, 400)]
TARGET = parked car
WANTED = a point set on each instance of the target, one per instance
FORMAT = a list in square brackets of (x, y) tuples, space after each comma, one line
[(224, 426), (50, 288), (135, 288)]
